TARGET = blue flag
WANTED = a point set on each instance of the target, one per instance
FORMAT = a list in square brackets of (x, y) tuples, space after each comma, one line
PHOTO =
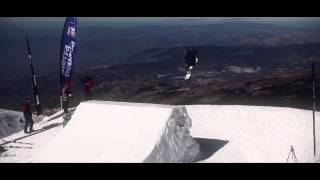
[(67, 51)]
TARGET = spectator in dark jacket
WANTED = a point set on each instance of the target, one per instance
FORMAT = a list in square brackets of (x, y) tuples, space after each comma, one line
[(27, 113)]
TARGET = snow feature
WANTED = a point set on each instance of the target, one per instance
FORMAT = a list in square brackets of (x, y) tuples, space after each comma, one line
[(176, 144), (132, 132), (256, 133), (12, 122), (21, 147), (102, 131)]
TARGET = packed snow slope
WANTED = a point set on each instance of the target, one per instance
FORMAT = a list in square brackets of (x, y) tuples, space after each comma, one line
[(21, 147), (255, 134), (123, 132), (132, 132)]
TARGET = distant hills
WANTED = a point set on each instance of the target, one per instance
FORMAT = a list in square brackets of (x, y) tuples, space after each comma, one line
[(105, 44), (170, 60), (156, 74)]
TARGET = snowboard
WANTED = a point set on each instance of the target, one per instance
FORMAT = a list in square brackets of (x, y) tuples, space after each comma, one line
[(66, 119), (188, 74), (189, 70)]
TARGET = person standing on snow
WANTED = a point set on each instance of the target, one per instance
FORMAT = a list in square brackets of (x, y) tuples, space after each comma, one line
[(66, 95), (88, 83), (27, 116)]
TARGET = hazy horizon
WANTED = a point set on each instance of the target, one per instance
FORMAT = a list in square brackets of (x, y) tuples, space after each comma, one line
[(103, 40), (123, 19)]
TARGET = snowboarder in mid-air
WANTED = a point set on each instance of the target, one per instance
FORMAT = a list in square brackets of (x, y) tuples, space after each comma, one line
[(88, 83), (27, 116), (191, 58)]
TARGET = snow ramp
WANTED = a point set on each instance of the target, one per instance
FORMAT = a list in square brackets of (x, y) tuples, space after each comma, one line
[(103, 131)]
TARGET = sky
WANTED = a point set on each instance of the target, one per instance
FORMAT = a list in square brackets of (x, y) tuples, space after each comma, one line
[(160, 18), (128, 21)]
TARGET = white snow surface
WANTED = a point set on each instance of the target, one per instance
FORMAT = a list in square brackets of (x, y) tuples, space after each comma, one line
[(256, 134), (122, 132), (134, 132), (10, 122), (21, 147), (237, 69)]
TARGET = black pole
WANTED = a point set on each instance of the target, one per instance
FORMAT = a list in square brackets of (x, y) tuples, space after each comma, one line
[(314, 108), (34, 82)]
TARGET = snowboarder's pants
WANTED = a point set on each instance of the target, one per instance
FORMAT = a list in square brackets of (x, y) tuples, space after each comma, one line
[(65, 106), (28, 123)]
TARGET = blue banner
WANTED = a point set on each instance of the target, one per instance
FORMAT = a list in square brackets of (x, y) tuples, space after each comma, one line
[(68, 51)]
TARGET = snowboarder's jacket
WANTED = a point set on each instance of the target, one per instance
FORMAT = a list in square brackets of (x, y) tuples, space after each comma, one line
[(27, 110), (191, 57), (66, 94)]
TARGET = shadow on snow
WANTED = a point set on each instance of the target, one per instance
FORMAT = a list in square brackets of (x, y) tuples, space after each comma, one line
[(208, 147)]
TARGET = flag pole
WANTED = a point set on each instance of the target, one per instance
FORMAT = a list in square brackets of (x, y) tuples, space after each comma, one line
[(314, 108), (67, 57), (34, 82)]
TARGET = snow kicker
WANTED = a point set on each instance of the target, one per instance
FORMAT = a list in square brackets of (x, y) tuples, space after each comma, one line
[(104, 131)]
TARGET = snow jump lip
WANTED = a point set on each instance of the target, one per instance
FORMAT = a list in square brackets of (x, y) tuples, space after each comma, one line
[(104, 131)]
